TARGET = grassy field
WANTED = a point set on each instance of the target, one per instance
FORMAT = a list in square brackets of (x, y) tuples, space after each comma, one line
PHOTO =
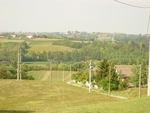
[(8, 40), (40, 45), (56, 75), (46, 45), (40, 97)]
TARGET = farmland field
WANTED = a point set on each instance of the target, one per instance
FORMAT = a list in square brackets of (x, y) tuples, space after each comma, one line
[(40, 97), (46, 45), (8, 40), (56, 75), (40, 45)]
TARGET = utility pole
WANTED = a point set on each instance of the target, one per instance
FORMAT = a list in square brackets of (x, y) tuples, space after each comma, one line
[(109, 81), (19, 63), (50, 73), (140, 82), (90, 76), (148, 91), (63, 76), (58, 72)]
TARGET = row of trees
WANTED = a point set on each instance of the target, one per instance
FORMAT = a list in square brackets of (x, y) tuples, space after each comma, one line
[(9, 71), (68, 43), (120, 52)]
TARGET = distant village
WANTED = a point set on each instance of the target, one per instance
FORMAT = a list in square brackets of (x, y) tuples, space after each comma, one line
[(69, 34)]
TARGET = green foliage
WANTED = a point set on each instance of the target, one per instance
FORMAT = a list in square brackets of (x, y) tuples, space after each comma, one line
[(121, 52), (122, 85), (26, 76), (80, 76), (83, 77), (103, 70), (4, 72), (136, 72), (9, 72), (106, 74)]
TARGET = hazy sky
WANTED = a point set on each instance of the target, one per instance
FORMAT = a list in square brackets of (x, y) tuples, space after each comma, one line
[(69, 15)]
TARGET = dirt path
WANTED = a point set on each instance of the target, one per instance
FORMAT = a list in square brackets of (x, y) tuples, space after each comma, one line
[(45, 77)]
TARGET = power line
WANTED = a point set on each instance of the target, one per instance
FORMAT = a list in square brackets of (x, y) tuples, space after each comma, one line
[(131, 4)]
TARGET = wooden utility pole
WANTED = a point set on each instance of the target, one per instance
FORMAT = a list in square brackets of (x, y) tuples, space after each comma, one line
[(19, 64), (58, 73), (90, 85), (148, 89), (63, 75), (50, 72)]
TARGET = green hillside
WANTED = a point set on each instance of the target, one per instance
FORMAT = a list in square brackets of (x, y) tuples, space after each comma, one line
[(39, 97)]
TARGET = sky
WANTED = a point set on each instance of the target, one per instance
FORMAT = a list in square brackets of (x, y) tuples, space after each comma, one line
[(70, 15)]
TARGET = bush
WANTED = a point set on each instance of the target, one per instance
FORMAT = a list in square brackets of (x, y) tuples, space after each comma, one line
[(123, 85), (4, 72), (114, 84)]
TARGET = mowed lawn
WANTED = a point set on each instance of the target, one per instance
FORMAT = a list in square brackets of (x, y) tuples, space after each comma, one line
[(34, 96)]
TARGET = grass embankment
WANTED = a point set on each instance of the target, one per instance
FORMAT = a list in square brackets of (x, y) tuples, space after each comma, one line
[(131, 92), (40, 96)]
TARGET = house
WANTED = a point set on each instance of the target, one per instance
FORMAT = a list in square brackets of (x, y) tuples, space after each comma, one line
[(125, 70), (29, 36), (13, 35)]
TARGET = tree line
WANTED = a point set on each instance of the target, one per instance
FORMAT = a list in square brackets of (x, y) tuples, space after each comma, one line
[(120, 52)]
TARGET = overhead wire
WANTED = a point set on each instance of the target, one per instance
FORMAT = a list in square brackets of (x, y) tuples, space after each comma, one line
[(131, 4)]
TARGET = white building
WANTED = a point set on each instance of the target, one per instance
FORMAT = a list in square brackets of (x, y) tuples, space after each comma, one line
[(29, 36)]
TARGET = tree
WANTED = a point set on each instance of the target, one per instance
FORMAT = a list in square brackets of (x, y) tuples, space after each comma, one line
[(66, 56), (80, 76), (44, 55), (106, 73), (102, 70), (136, 71), (4, 72), (32, 55)]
